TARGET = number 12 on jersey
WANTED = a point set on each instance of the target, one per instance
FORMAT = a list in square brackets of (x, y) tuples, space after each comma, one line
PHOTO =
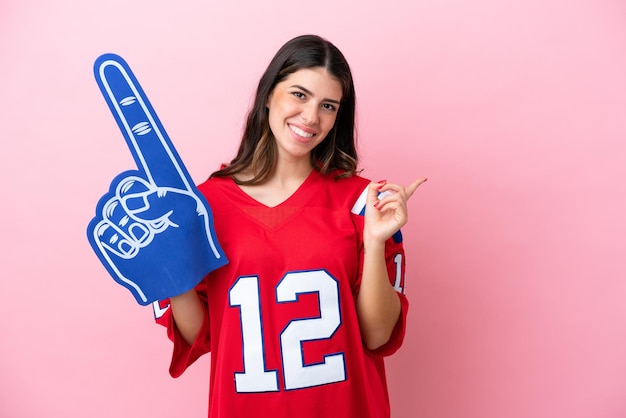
[(244, 294)]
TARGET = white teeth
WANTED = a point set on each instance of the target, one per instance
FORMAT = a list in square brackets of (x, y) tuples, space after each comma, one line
[(300, 131)]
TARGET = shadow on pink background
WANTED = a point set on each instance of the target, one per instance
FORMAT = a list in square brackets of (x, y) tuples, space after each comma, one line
[(515, 110)]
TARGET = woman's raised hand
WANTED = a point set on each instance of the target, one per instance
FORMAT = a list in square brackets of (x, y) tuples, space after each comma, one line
[(386, 210)]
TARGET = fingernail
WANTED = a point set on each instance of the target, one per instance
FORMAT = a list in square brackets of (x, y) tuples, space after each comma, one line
[(382, 183)]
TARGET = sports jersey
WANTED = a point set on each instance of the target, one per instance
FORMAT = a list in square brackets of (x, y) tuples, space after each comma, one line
[(281, 321)]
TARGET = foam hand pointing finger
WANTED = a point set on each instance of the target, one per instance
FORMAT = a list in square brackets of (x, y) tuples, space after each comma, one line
[(153, 230)]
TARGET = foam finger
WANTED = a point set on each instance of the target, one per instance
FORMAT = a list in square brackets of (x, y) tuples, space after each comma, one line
[(148, 142)]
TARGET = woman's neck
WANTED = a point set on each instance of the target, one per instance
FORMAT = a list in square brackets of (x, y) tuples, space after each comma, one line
[(281, 184)]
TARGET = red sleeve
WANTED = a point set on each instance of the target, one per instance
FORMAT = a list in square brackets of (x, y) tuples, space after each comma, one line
[(184, 354)]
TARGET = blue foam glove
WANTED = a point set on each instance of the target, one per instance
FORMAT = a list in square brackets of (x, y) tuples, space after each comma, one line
[(153, 230)]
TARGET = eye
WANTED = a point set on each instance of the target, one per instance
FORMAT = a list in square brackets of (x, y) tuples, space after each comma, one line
[(329, 106), (298, 94)]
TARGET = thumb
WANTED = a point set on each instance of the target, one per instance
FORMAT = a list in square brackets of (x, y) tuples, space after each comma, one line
[(372, 191), (143, 200)]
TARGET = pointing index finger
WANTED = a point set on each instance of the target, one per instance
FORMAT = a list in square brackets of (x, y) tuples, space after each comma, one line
[(148, 142), (411, 188)]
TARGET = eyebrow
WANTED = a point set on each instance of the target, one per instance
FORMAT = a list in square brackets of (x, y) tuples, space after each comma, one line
[(309, 92)]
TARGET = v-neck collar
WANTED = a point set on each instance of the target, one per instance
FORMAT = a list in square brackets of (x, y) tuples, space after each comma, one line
[(297, 198)]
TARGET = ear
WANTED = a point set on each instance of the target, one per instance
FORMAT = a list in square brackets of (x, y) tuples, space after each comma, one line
[(269, 99)]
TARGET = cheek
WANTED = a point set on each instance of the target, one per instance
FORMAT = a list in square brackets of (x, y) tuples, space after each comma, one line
[(275, 114), (329, 122), (281, 109), (274, 123)]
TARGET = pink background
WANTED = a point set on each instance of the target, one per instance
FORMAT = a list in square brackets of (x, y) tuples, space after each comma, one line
[(514, 109)]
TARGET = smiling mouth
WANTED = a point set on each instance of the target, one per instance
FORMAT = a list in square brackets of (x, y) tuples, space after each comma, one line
[(300, 132)]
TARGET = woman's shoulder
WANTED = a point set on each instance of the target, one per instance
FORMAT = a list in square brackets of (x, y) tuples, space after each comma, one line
[(345, 180), (217, 188), (213, 182), (351, 190)]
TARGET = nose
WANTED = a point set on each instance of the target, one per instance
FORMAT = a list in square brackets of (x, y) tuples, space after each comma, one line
[(310, 114)]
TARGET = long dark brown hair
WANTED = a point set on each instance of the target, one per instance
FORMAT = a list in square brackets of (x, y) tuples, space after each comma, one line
[(257, 151)]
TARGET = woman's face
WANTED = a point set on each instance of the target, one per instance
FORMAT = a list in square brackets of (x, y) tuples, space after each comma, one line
[(302, 110)]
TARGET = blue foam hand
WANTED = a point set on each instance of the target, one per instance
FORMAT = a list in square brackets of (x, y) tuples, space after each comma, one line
[(153, 230)]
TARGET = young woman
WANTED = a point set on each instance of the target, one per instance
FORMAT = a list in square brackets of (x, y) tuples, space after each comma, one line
[(312, 299)]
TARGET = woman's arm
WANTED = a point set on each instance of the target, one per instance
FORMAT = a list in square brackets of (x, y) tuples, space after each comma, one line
[(378, 304), (188, 315)]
